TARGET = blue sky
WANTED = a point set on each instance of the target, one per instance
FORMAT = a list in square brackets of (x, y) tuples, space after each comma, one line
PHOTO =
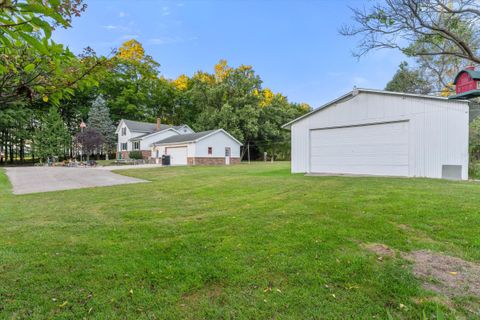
[(293, 45)]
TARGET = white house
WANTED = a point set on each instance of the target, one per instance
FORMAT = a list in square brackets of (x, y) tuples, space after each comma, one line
[(383, 133), (138, 136), (201, 148)]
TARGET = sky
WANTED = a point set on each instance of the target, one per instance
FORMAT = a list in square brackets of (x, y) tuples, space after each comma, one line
[(294, 46)]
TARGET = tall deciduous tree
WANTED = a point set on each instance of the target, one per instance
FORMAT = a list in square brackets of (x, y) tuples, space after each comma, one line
[(131, 82), (99, 120), (475, 139), (419, 28), (409, 81), (32, 66), (51, 136), (32, 21), (26, 76), (233, 99)]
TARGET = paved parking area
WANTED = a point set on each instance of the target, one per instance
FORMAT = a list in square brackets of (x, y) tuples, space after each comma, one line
[(42, 179)]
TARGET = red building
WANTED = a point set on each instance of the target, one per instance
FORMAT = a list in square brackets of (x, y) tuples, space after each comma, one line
[(467, 84)]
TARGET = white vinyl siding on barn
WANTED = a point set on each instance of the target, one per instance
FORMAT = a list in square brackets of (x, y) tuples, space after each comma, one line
[(436, 130)]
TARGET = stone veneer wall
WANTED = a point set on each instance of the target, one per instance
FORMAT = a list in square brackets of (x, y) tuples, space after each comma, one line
[(209, 161)]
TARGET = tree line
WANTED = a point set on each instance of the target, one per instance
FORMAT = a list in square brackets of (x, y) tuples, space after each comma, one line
[(46, 92)]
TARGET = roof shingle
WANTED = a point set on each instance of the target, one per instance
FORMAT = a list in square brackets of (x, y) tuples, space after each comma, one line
[(146, 127), (185, 137)]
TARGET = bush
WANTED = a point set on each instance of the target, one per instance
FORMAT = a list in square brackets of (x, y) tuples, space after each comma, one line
[(137, 155), (474, 170)]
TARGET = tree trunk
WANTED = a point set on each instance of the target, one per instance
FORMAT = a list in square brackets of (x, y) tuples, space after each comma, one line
[(22, 150)]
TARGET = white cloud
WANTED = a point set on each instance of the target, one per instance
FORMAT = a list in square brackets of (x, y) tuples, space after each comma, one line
[(166, 11), (122, 14), (110, 27), (164, 40)]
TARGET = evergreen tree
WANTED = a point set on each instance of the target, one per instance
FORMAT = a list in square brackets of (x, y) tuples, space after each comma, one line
[(51, 137), (99, 120)]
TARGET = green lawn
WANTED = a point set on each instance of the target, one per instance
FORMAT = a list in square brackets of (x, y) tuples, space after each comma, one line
[(239, 242)]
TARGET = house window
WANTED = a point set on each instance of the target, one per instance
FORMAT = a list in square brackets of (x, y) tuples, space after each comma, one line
[(210, 151), (124, 146), (228, 152), (124, 131), (136, 145)]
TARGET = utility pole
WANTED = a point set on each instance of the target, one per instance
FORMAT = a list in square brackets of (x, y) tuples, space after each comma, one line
[(248, 152)]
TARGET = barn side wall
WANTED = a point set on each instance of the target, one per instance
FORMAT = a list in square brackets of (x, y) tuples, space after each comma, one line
[(438, 129)]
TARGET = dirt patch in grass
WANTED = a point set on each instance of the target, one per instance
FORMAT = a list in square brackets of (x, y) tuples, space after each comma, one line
[(444, 274), (449, 276), (380, 250)]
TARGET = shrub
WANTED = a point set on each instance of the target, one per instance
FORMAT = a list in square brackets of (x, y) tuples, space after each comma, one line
[(135, 155), (474, 170)]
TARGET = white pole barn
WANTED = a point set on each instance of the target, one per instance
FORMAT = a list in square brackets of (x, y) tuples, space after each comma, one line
[(385, 133)]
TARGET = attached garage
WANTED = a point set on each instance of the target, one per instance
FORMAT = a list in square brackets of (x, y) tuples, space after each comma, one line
[(178, 155), (383, 133), (213, 147)]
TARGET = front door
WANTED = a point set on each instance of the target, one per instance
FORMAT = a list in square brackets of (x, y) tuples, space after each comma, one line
[(227, 155)]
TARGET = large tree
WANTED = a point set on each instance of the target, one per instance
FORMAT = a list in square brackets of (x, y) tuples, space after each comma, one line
[(419, 28), (32, 21), (99, 120), (409, 80), (132, 84), (27, 76), (51, 137), (233, 99), (32, 66), (475, 139)]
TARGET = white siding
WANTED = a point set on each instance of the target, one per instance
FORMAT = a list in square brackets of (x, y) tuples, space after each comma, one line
[(438, 129), (218, 142), (381, 149), (185, 129), (145, 143), (124, 139)]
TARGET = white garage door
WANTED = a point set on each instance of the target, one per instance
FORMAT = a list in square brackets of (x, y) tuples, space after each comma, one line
[(178, 155), (376, 149)]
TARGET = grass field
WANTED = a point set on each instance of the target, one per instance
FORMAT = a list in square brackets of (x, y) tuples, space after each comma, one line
[(239, 242)]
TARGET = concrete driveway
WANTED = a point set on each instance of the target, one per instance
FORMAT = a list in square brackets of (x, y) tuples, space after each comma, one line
[(42, 179)]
